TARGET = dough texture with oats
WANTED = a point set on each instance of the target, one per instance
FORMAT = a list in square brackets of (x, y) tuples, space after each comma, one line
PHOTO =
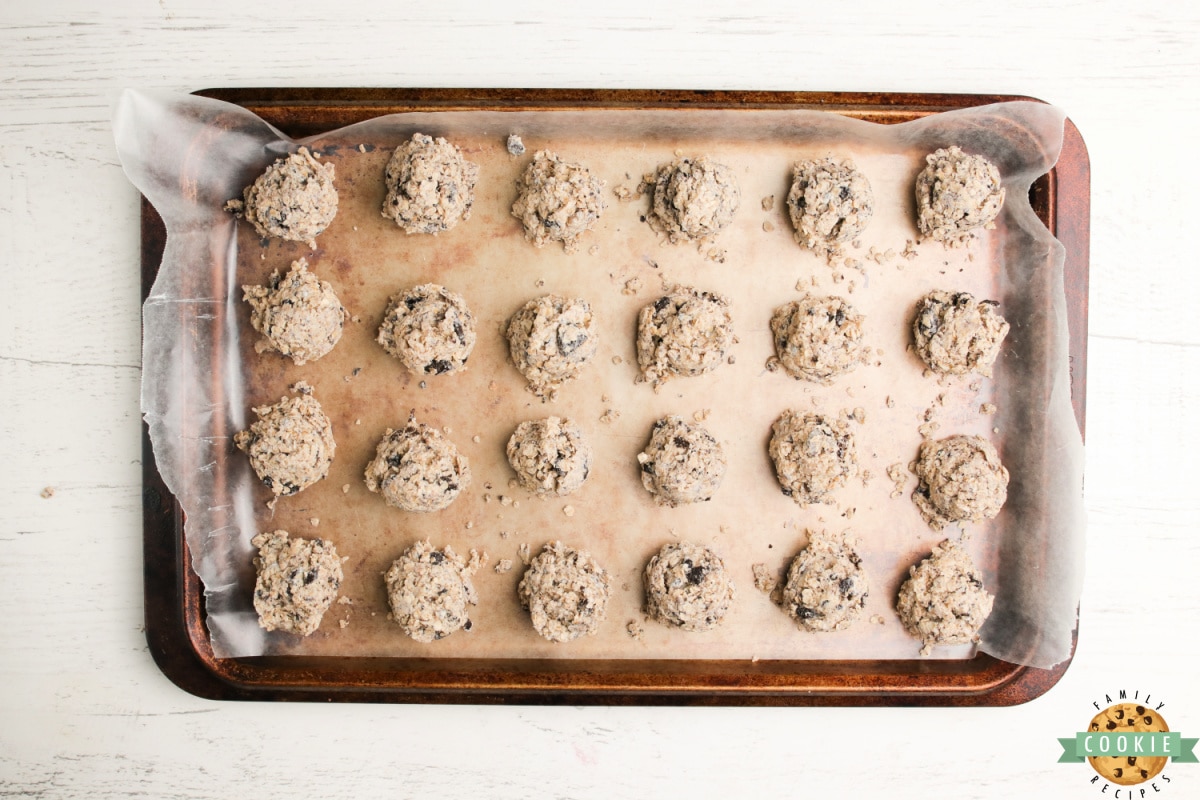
[(430, 186), (683, 463), (416, 468), (692, 198), (557, 201), (294, 199), (298, 315), (566, 593), (957, 194), (943, 601), (829, 203), (959, 479), (813, 455), (818, 338), (550, 456), (290, 445), (430, 591), (955, 334), (550, 340), (687, 587), (826, 587), (429, 328), (684, 333), (297, 580)]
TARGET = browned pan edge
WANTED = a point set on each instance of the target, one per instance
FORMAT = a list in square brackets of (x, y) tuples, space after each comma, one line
[(175, 627)]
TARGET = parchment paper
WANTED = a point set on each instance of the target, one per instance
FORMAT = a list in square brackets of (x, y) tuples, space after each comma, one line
[(188, 155)]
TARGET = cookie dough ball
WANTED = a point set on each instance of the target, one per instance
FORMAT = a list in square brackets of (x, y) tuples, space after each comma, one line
[(416, 468), (550, 340), (290, 445), (430, 186), (294, 199), (813, 455), (566, 593), (557, 201), (829, 203), (818, 338), (955, 334), (297, 315), (692, 199), (943, 601), (550, 456), (1127, 770), (683, 333), (682, 463), (826, 587), (429, 328), (959, 479), (687, 587), (298, 579), (957, 194), (429, 592)]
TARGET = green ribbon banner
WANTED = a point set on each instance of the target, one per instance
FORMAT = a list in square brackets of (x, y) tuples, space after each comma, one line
[(1128, 743)]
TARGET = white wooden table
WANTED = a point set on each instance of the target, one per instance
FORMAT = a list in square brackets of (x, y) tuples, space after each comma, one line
[(85, 712)]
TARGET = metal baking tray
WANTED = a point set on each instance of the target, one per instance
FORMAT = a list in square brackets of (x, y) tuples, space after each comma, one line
[(175, 623)]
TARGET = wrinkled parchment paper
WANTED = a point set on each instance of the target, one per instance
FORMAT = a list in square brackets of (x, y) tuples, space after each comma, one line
[(188, 155)]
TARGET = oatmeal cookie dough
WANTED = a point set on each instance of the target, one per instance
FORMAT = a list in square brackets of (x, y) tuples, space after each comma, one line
[(959, 479), (429, 592), (688, 587), (298, 579), (550, 456), (290, 445), (943, 601), (683, 463), (818, 338), (298, 315), (566, 593), (429, 328), (957, 194), (557, 201), (827, 587), (294, 199), (813, 455), (830, 203), (416, 468), (692, 198), (430, 186), (956, 334), (1127, 770), (683, 334), (550, 340)]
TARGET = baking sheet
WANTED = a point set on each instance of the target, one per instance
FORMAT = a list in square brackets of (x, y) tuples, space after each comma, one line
[(201, 376)]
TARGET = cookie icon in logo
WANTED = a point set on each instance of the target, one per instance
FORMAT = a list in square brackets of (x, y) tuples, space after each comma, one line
[(1128, 770)]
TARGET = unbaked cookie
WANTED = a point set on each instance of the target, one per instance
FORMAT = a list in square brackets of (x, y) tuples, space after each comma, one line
[(943, 601), (683, 333), (290, 445), (813, 455), (830, 203), (550, 340), (566, 593), (959, 479), (955, 334), (297, 314), (416, 468), (687, 587), (294, 199), (430, 186), (429, 592), (1127, 770), (557, 201), (957, 194), (429, 328), (683, 463), (297, 580), (550, 456), (818, 338), (827, 587), (692, 198)]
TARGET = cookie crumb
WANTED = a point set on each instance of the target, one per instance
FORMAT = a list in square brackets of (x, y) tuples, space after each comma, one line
[(594, 250), (344, 600), (421, 385), (469, 524), (632, 286), (610, 416), (987, 408), (859, 415), (768, 202), (505, 500), (716, 255), (701, 415), (910, 250), (315, 521), (899, 477), (523, 554), (362, 148), (48, 492), (503, 565), (617, 359), (876, 619), (635, 630), (569, 510), (301, 387), (514, 145), (343, 623), (768, 227), (764, 581)]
